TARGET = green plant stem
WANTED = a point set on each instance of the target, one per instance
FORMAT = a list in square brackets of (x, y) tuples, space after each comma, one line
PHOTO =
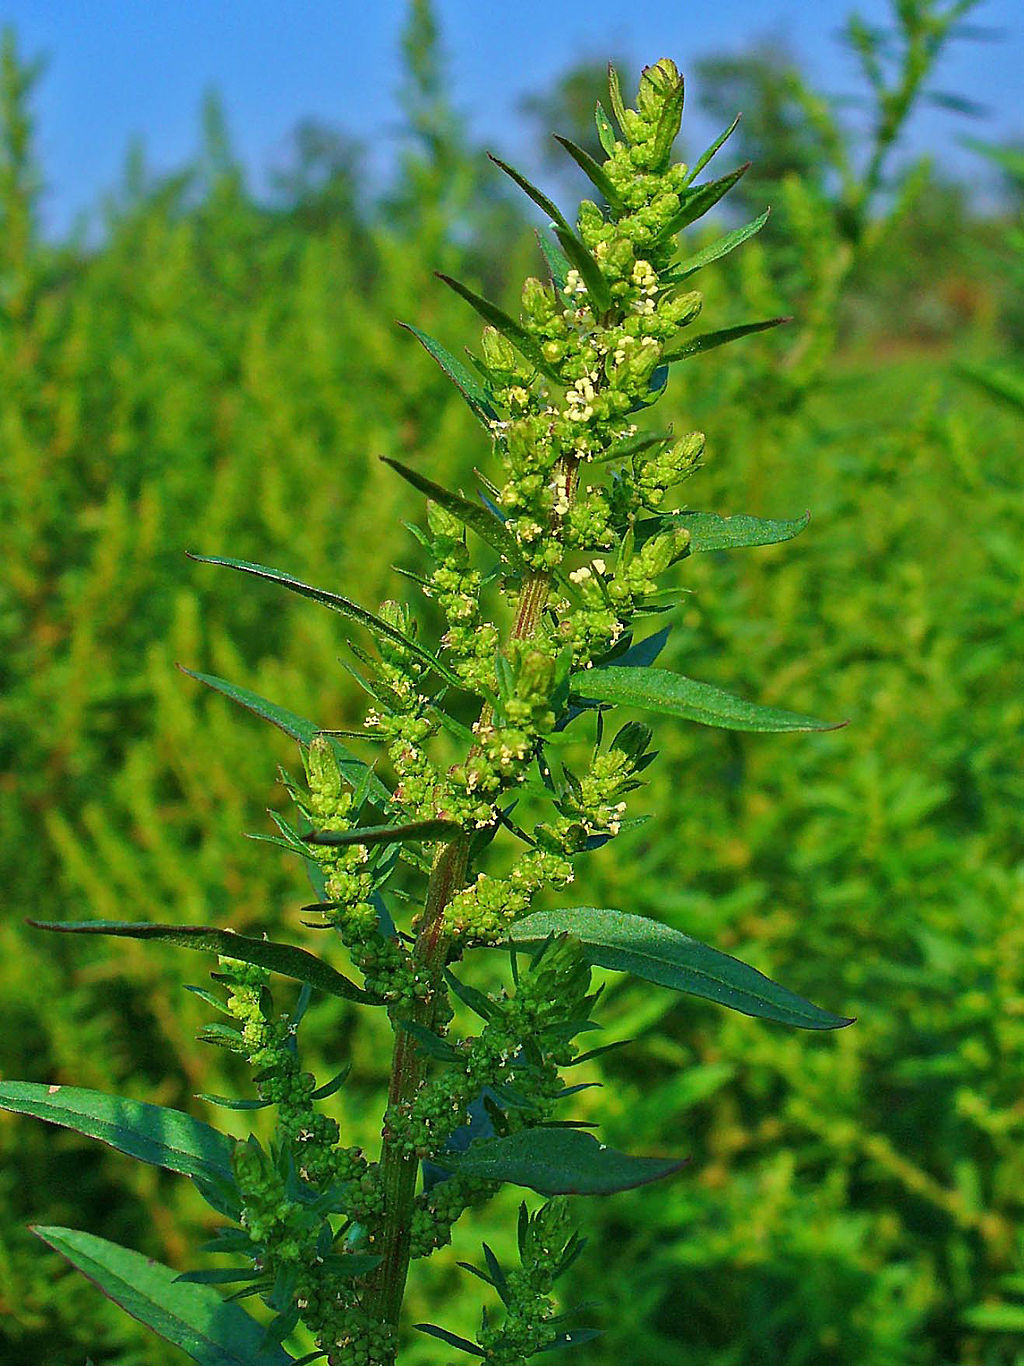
[(398, 1168)]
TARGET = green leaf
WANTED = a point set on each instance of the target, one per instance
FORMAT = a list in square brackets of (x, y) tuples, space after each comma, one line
[(697, 201), (538, 196), (715, 146), (193, 1317), (668, 123), (631, 445), (590, 272), (452, 1339), (151, 1133), (285, 959), (709, 531), (593, 170), (674, 694), (707, 341), (605, 131), (557, 261), (714, 251), (657, 953), (557, 1161), (337, 603), (414, 832), (471, 388), (475, 515), (506, 325)]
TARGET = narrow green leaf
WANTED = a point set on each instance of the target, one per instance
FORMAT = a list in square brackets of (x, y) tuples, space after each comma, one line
[(593, 170), (615, 97), (715, 146), (709, 531), (151, 1133), (471, 388), (285, 959), (657, 953), (417, 832), (605, 131), (698, 200), (505, 324), (707, 341), (354, 771), (674, 694), (538, 196), (452, 1339), (557, 1161), (631, 445), (590, 272), (472, 514), (714, 251), (337, 603), (557, 261), (193, 1317)]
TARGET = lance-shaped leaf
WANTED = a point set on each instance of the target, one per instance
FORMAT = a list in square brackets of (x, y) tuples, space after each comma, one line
[(575, 251), (658, 953), (557, 261), (193, 1317), (699, 199), (472, 514), (705, 157), (337, 603), (151, 1133), (506, 325), (452, 1339), (353, 770), (415, 832), (558, 1161), (709, 531), (605, 131), (285, 959), (714, 251), (593, 170), (707, 341), (674, 694), (468, 385)]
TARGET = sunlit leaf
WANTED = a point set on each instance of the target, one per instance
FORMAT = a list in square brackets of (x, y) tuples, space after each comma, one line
[(286, 959), (415, 832), (714, 251), (472, 514), (708, 341), (193, 1317), (471, 388), (657, 953), (151, 1133)]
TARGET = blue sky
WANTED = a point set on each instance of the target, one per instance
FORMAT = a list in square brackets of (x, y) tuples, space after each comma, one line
[(118, 69)]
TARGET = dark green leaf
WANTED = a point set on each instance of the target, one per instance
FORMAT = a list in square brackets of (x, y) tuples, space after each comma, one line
[(590, 272), (538, 196), (506, 325), (286, 959), (353, 770), (707, 341), (452, 1339), (574, 1337), (631, 445), (714, 251), (697, 201), (151, 1133), (193, 1317), (558, 262), (471, 388), (220, 1275), (657, 953), (557, 1161), (709, 531), (715, 146), (593, 170), (475, 515), (227, 1103), (673, 694), (415, 832), (337, 603)]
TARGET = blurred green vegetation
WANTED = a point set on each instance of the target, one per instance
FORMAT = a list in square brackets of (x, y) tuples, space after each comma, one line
[(218, 373)]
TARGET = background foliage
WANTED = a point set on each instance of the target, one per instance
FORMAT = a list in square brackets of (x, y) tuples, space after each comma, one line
[(219, 373)]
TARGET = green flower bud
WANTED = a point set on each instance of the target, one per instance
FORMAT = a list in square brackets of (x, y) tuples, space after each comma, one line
[(322, 771), (442, 523), (658, 84), (499, 353), (538, 301)]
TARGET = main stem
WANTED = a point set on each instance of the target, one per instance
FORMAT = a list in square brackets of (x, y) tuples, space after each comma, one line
[(408, 1064)]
